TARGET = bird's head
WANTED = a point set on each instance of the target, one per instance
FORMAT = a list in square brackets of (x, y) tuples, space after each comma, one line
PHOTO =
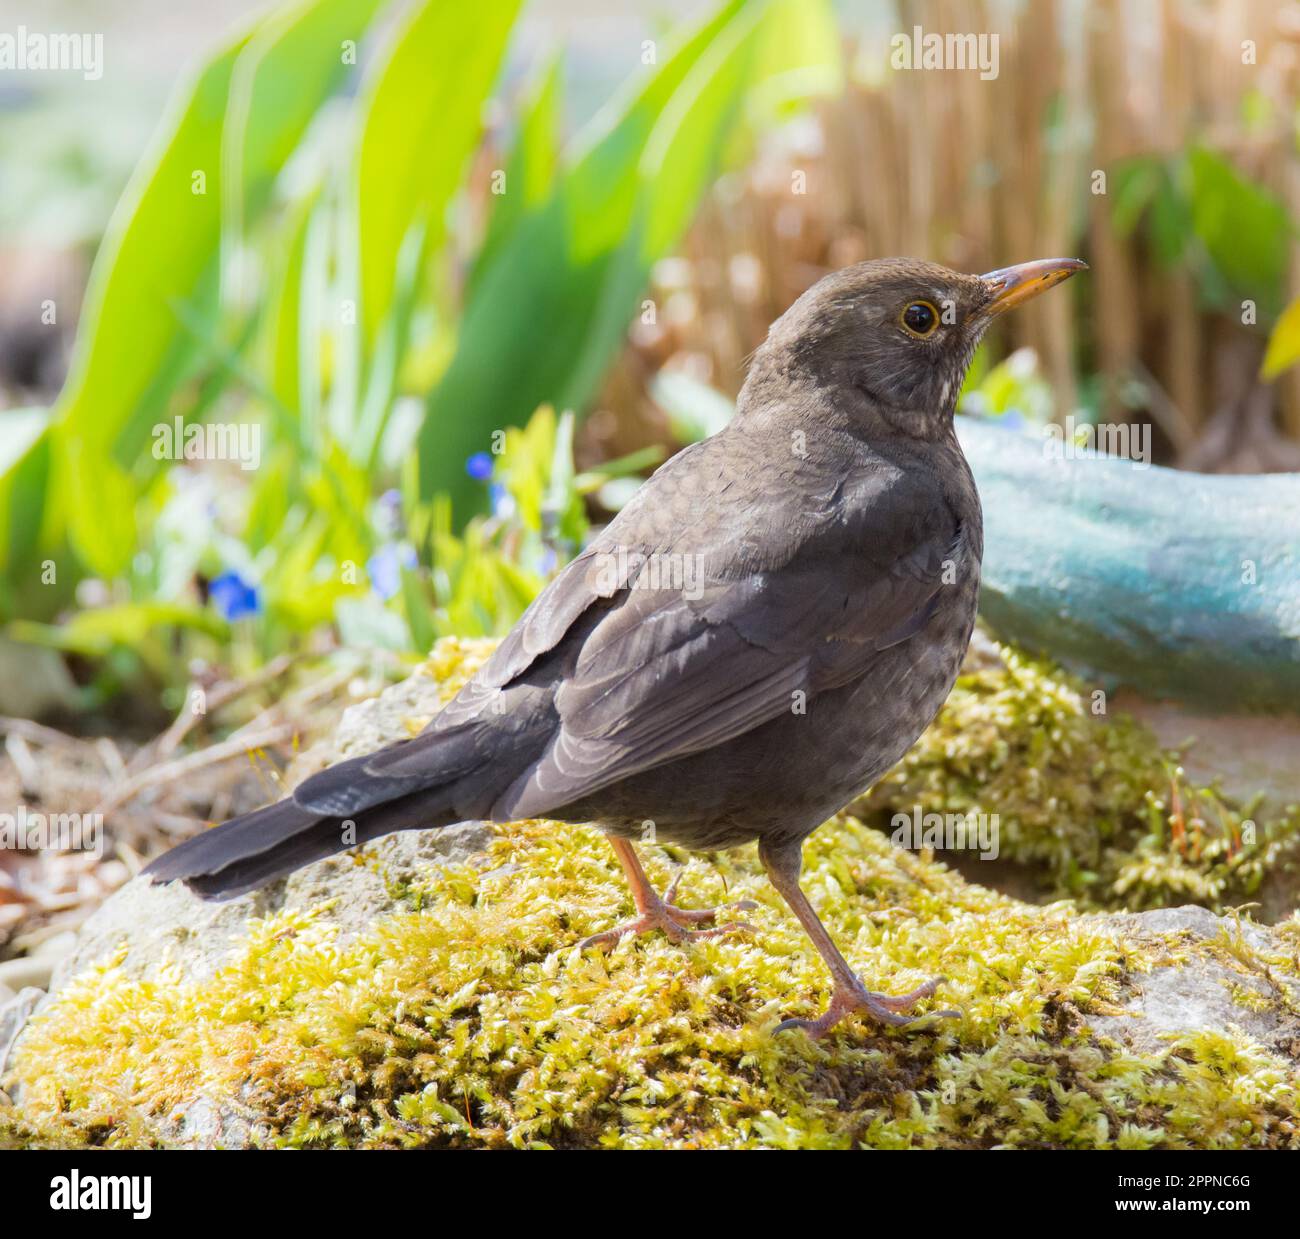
[(899, 333)]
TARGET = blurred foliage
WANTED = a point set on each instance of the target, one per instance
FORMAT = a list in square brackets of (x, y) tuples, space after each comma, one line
[(1198, 210), (1013, 391), (290, 254), (391, 573)]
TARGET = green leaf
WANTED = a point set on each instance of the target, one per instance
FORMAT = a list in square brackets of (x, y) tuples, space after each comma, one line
[(94, 632), (159, 247), (533, 164), (293, 61), (1244, 228), (799, 57), (153, 292), (418, 609), (686, 144), (24, 479), (423, 118), (288, 352), (101, 516), (1136, 182), (1283, 344)]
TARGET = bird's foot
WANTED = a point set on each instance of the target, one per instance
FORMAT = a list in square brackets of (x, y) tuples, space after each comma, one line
[(661, 913), (892, 1009)]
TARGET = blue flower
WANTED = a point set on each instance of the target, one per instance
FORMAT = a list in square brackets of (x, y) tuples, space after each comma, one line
[(1013, 420), (479, 466), (385, 566), (233, 596), (501, 501)]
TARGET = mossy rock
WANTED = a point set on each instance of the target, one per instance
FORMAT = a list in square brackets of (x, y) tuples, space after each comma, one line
[(429, 991)]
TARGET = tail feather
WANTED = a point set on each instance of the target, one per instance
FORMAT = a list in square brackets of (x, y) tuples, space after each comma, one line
[(431, 760), (269, 843)]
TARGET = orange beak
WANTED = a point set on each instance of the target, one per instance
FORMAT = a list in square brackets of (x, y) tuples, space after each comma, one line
[(1011, 286)]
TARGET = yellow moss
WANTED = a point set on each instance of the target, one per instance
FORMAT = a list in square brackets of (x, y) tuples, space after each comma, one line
[(454, 660), (468, 1017)]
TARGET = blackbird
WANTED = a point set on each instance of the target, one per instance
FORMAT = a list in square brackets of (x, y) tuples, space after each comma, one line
[(760, 634)]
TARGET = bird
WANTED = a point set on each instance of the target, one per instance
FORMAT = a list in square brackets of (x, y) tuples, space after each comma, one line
[(763, 631)]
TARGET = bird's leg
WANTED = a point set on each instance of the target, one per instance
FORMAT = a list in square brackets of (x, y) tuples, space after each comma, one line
[(656, 912), (849, 995)]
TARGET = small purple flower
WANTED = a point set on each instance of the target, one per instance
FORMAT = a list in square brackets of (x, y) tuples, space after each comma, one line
[(385, 566), (548, 560), (388, 513), (479, 466), (233, 596), (1013, 420)]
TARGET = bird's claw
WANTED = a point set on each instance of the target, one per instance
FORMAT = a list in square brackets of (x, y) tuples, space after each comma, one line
[(664, 915), (891, 1009)]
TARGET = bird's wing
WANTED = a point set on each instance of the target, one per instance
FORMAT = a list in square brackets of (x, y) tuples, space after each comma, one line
[(663, 675), (791, 590)]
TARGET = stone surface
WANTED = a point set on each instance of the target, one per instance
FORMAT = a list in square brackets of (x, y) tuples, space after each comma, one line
[(14, 1013), (170, 921), (1201, 992)]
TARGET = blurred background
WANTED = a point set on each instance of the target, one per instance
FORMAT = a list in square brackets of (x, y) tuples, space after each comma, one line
[(464, 274)]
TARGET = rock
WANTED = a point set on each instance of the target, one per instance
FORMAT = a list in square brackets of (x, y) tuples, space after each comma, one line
[(170, 922), (14, 1013), (157, 924), (1248, 755), (26, 970), (1207, 990)]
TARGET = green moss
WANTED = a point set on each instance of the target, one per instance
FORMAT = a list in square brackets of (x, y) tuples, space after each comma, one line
[(468, 1017), (1091, 803)]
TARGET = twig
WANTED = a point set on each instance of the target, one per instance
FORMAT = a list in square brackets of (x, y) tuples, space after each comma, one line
[(220, 695), (182, 766), (111, 758), (1171, 419), (37, 733), (29, 773)]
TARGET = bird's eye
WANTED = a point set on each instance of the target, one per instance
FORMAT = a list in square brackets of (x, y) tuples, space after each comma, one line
[(919, 318)]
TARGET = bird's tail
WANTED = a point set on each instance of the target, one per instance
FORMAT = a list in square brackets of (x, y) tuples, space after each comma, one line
[(248, 851)]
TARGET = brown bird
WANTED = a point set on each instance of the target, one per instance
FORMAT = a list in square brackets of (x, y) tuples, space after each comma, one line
[(751, 643)]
